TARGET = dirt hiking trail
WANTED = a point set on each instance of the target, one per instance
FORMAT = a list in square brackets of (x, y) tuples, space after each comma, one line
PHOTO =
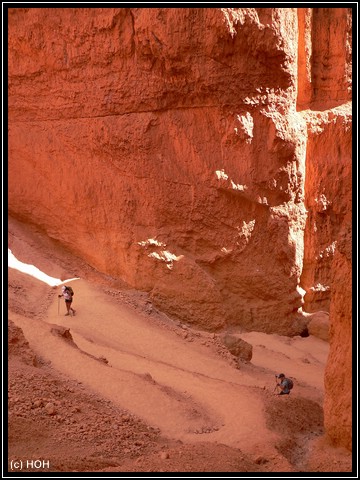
[(180, 381)]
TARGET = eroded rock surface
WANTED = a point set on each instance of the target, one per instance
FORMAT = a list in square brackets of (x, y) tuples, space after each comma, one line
[(200, 155)]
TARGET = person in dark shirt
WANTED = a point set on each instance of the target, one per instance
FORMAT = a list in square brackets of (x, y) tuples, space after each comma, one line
[(284, 384)]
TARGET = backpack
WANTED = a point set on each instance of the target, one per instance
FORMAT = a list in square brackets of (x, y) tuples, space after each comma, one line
[(69, 289), (290, 383)]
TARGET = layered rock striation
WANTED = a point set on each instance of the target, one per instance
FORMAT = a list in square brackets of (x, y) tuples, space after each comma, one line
[(199, 154)]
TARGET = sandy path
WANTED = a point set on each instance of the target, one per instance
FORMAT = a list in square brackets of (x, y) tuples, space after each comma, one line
[(190, 389), (181, 387)]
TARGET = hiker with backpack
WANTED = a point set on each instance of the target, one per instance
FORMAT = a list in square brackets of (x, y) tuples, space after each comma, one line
[(285, 385), (68, 293)]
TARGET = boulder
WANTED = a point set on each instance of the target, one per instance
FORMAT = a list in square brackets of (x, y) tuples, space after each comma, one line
[(319, 325), (238, 347)]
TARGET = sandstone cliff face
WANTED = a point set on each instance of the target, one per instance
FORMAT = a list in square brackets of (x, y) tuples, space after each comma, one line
[(338, 391), (191, 152), (160, 145), (328, 196)]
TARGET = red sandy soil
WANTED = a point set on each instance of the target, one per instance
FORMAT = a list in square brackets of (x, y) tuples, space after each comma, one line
[(120, 387)]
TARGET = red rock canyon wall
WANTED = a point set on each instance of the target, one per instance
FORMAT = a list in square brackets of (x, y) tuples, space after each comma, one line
[(202, 155)]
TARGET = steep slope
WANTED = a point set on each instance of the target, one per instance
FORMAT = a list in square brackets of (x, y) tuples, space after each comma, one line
[(202, 156), (121, 386)]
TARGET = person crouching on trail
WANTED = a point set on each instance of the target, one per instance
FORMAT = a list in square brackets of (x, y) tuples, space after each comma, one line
[(285, 385), (66, 293)]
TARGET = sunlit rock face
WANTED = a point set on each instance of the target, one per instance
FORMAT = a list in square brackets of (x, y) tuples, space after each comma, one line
[(162, 145), (199, 154)]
